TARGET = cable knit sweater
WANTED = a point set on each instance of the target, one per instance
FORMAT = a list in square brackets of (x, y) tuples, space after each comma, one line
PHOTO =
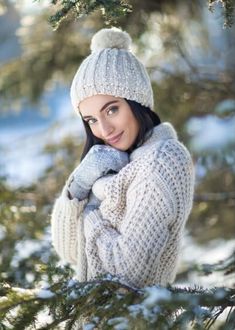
[(136, 231)]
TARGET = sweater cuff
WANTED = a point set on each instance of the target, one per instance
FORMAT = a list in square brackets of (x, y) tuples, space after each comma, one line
[(65, 219)]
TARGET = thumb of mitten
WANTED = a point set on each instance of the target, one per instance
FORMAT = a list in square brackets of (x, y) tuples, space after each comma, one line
[(114, 159), (121, 159)]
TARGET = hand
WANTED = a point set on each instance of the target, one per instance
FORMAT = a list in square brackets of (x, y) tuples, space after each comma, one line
[(98, 162)]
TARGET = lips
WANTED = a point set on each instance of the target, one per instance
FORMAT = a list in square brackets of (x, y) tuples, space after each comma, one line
[(114, 139)]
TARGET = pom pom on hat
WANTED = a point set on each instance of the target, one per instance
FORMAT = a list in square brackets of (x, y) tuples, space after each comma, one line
[(110, 38)]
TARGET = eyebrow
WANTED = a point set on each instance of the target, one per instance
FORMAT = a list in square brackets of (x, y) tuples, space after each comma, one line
[(103, 108)]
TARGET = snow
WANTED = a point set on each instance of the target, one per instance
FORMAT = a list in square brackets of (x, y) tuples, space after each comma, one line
[(73, 295), (118, 323), (88, 326), (72, 282), (213, 252), (211, 132), (3, 300), (27, 151), (24, 249), (225, 107), (200, 311), (156, 294), (220, 293), (24, 136), (149, 307), (137, 309), (96, 319), (2, 232), (45, 294), (114, 278), (31, 7)]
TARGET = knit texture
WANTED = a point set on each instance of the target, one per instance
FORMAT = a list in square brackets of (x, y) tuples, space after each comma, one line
[(112, 69), (136, 232)]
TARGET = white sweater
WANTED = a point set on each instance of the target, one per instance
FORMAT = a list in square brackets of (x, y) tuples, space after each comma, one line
[(136, 232)]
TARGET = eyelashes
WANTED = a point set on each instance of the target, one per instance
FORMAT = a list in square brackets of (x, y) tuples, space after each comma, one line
[(110, 111), (91, 121)]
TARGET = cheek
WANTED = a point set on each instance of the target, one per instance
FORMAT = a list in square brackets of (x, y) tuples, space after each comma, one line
[(95, 131), (127, 120), (134, 126)]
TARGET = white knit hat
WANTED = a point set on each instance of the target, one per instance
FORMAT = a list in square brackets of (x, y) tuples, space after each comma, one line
[(111, 69)]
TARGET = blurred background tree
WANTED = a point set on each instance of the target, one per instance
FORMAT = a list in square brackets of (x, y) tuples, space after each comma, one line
[(190, 56)]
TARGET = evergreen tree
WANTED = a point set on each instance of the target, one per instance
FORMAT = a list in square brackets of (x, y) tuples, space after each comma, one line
[(36, 291)]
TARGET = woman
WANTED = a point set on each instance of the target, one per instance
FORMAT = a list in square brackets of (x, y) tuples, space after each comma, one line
[(124, 208)]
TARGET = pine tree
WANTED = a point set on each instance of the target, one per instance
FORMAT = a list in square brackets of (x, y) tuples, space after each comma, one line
[(34, 285), (105, 303), (114, 9)]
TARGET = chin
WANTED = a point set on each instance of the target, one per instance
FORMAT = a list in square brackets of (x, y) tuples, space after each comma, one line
[(124, 147), (119, 148)]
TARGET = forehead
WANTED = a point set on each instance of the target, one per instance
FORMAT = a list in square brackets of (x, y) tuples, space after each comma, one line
[(94, 104)]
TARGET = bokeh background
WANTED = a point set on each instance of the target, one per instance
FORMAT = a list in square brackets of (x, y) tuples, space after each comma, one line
[(191, 59)]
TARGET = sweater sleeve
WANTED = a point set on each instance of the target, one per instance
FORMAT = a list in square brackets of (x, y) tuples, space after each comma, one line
[(67, 227), (134, 250)]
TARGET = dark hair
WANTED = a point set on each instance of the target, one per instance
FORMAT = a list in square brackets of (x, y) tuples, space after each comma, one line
[(146, 118)]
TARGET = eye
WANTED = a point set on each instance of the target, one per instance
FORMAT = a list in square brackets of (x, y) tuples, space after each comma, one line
[(112, 110), (91, 121)]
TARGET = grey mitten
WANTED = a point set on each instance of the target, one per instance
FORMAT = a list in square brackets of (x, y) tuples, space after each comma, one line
[(98, 162), (92, 204)]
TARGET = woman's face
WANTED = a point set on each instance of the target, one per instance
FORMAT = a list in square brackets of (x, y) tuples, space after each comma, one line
[(110, 119)]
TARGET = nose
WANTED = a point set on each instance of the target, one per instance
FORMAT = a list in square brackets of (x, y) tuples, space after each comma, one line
[(106, 128)]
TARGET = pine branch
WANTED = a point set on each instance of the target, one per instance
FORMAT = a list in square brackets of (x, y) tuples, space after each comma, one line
[(227, 266), (228, 7), (110, 9), (114, 9), (105, 298)]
